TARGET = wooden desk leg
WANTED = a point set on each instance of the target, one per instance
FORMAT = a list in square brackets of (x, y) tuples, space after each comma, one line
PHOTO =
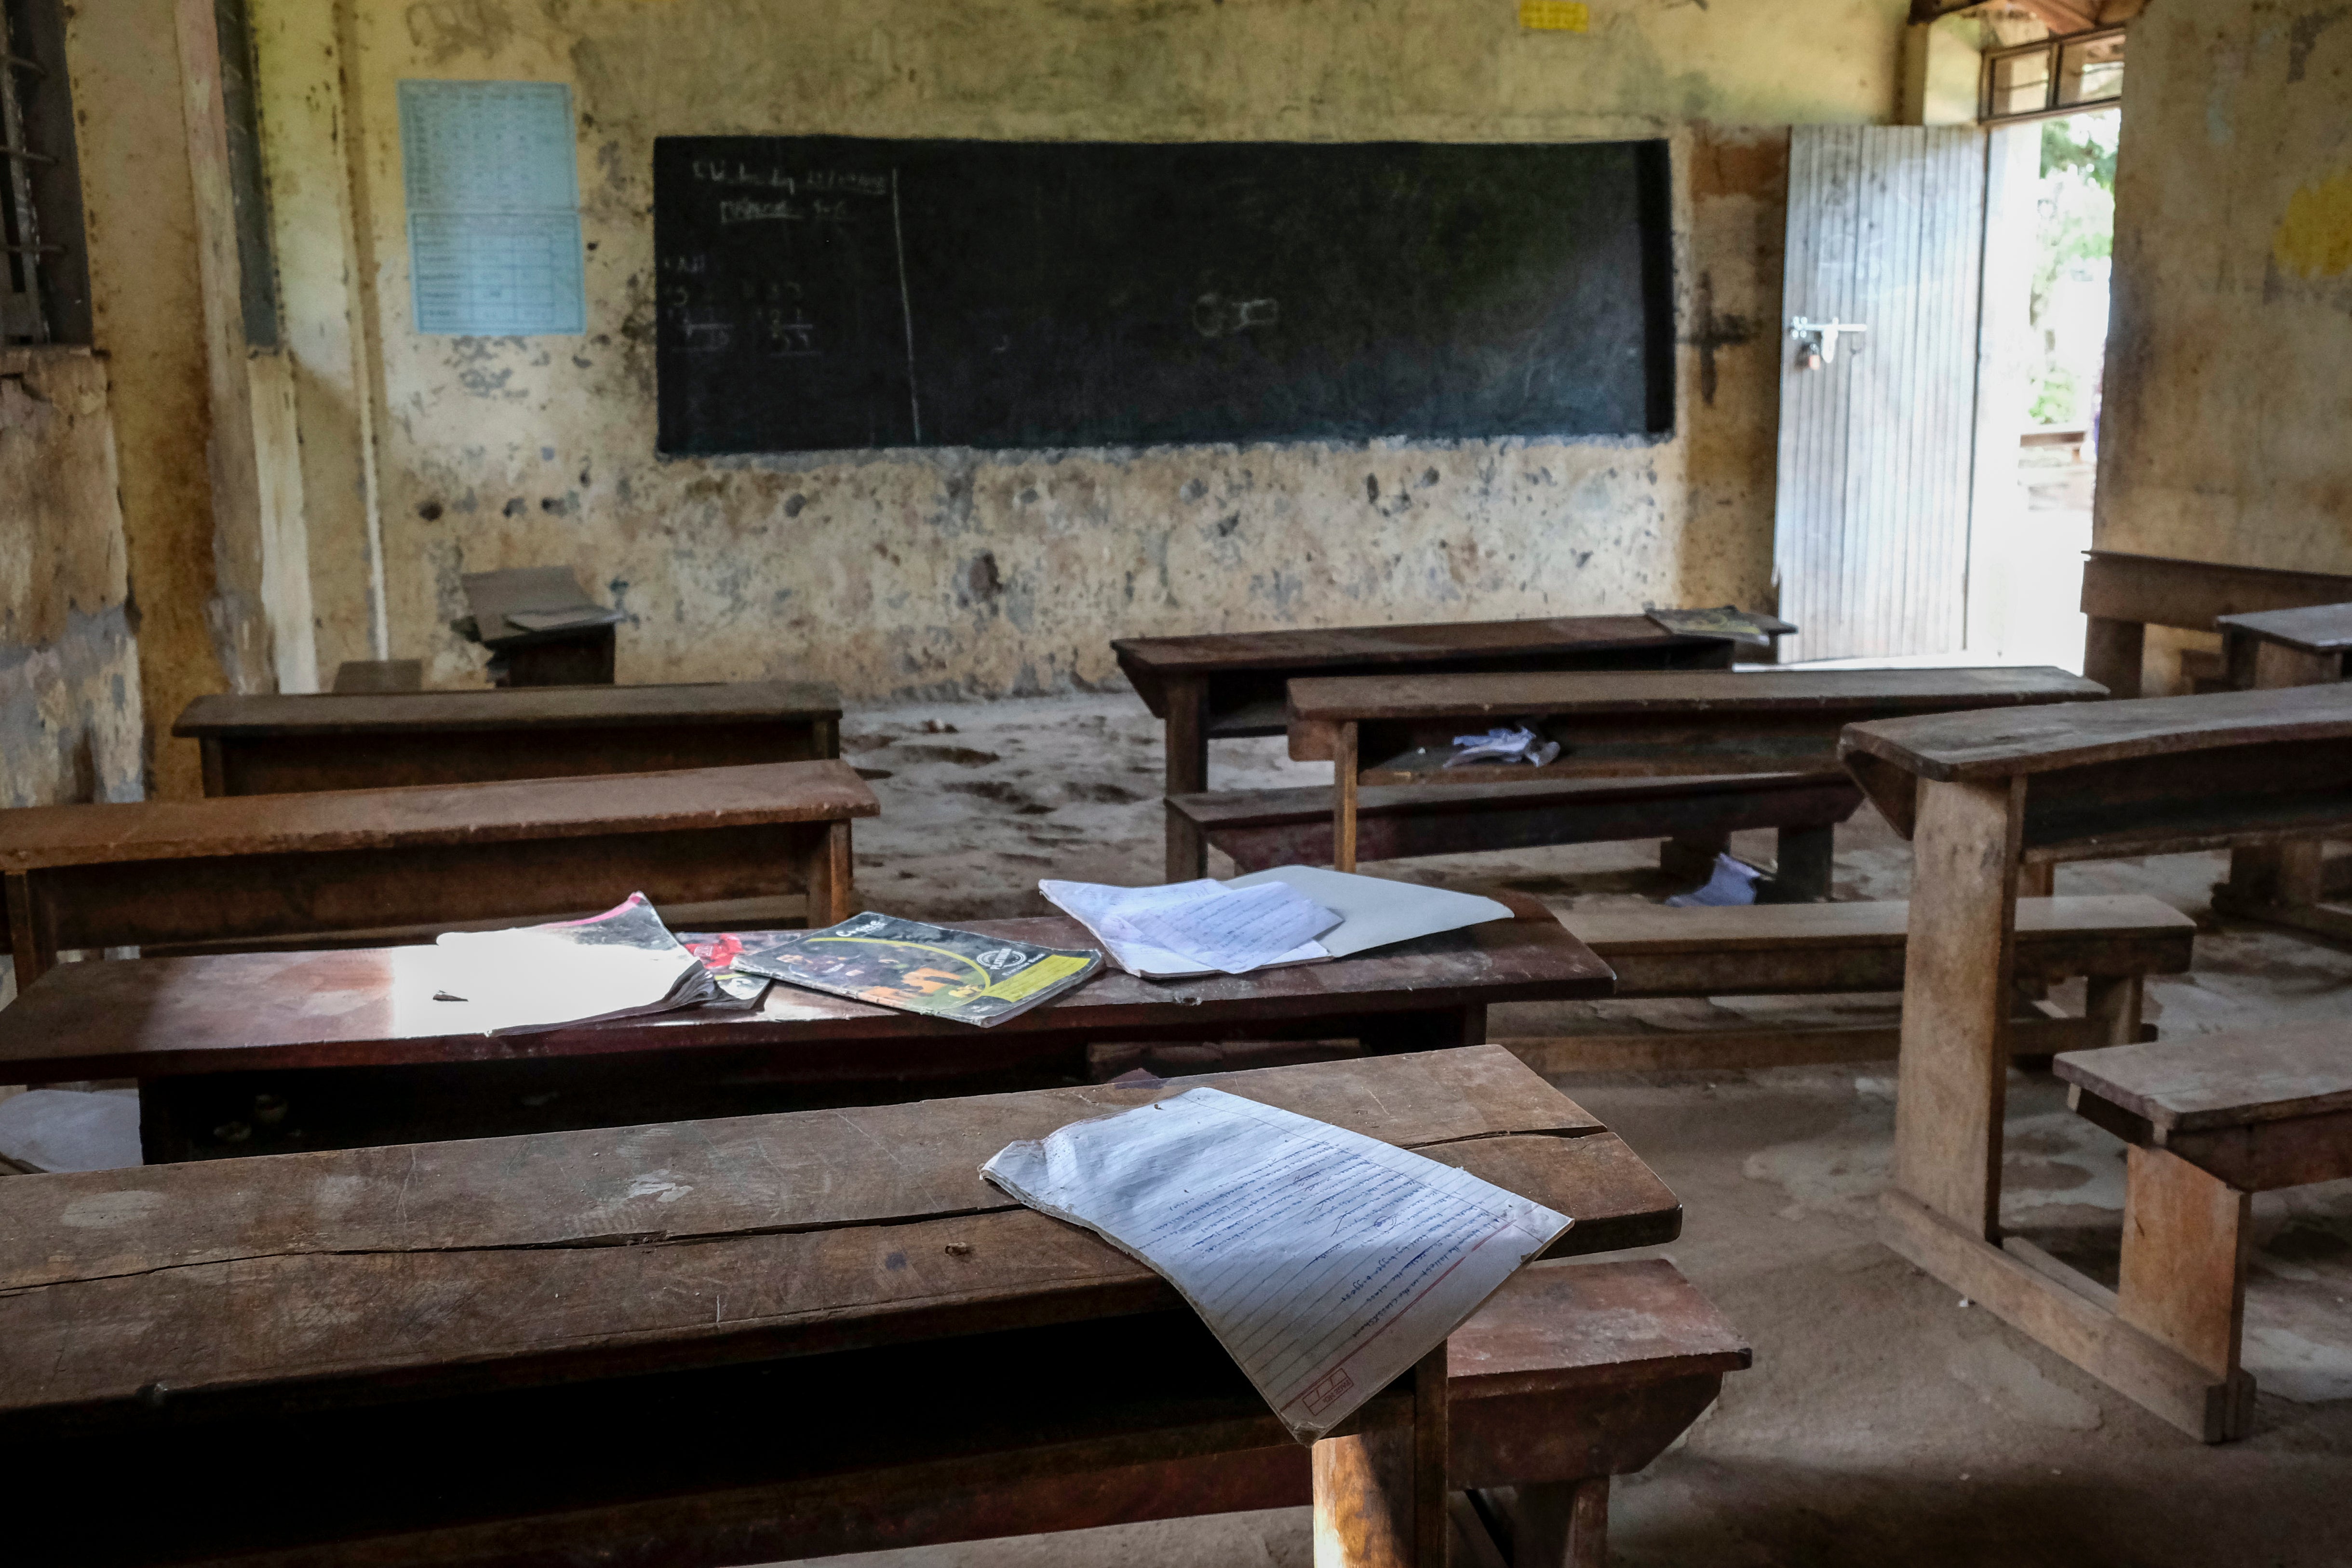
[(216, 771), (30, 942), (1343, 799), (1561, 1524), (1380, 1498), (2118, 999), (1187, 743), (1808, 857), (1958, 964), (2183, 1279), (829, 877), (2112, 651), (2281, 875)]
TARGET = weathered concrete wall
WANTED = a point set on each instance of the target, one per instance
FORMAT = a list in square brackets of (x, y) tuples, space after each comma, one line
[(912, 573), (2227, 433), (69, 710)]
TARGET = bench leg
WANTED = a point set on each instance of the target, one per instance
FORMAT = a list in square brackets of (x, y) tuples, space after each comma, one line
[(1187, 741), (1561, 1524), (1691, 856), (2183, 1279), (827, 873), (1379, 1497), (2117, 998), (1343, 799), (1808, 857), (31, 944), (2112, 651)]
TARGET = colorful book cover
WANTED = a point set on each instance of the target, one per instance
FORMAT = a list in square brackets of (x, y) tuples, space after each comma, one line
[(718, 950), (918, 968)]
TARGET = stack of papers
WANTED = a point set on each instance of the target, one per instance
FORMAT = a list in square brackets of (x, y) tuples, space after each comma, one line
[(1205, 927), (620, 963), (1325, 1261)]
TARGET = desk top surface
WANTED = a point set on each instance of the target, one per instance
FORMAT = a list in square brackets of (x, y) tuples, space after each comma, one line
[(563, 1255), (503, 708), (2200, 1082), (2315, 629), (155, 1018), (1999, 744), (34, 837), (1307, 648), (1718, 692)]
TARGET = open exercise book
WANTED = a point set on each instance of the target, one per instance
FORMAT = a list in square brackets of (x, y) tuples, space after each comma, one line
[(1205, 927), (620, 963), (1326, 1262)]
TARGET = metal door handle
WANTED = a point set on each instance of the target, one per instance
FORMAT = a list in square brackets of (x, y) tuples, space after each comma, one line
[(1820, 339)]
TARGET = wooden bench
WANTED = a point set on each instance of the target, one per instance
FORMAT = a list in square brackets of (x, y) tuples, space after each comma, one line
[(2124, 595), (275, 745), (293, 868), (429, 1350), (1628, 724), (1696, 817), (1981, 794), (1230, 685), (329, 1037), (2211, 1120), (2113, 941)]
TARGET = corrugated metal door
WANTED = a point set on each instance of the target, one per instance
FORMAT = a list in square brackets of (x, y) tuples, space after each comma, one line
[(1871, 537)]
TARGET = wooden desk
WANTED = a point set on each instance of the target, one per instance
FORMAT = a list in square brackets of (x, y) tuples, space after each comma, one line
[(1628, 723), (1983, 794), (2285, 883), (2126, 594), (330, 1034), (285, 867), (286, 744), (1232, 684), (650, 1344)]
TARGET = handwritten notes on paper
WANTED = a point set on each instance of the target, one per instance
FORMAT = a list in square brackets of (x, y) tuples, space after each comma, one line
[(1235, 930), (493, 190), (1325, 1261)]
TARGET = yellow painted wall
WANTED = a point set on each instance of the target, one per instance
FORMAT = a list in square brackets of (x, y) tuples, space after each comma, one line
[(2227, 433), (956, 572)]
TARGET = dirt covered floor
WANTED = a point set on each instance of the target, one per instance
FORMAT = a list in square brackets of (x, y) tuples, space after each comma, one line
[(1886, 1420)]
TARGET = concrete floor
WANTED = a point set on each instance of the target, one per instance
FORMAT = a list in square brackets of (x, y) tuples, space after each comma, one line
[(1886, 1420)]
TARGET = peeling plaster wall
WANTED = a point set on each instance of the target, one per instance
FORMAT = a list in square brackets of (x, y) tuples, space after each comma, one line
[(2226, 432), (956, 572), (69, 711)]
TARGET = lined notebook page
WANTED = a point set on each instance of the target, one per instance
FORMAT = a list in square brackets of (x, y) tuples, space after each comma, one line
[(1326, 1262)]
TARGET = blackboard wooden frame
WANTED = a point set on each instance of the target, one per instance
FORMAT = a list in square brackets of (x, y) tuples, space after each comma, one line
[(833, 293)]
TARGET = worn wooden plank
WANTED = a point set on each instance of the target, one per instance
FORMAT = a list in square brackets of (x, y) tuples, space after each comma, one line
[(2163, 590), (396, 1297), (153, 1018), (1237, 809), (2197, 1082), (2006, 743), (798, 1171), (712, 703), (1638, 930), (1717, 695), (1724, 1049), (35, 837)]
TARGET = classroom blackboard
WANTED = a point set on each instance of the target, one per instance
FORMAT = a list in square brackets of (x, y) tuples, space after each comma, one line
[(820, 292)]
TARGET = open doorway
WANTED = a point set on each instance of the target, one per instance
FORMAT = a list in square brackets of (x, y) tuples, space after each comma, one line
[(2049, 237)]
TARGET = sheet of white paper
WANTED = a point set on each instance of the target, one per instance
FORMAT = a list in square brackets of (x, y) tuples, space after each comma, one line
[(1326, 1262), (1106, 911), (1235, 931), (1375, 910), (526, 979)]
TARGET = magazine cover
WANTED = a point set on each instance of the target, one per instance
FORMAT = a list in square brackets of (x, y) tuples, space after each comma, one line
[(918, 968), (738, 988)]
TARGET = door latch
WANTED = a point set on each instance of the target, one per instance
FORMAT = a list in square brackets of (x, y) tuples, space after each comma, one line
[(1818, 340)]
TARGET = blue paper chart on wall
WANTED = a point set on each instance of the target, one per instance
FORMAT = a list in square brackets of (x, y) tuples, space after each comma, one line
[(493, 189)]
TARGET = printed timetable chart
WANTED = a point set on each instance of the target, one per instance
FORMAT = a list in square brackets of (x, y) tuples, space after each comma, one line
[(493, 190)]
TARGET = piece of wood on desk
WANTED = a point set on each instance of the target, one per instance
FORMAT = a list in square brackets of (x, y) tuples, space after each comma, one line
[(475, 1264)]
